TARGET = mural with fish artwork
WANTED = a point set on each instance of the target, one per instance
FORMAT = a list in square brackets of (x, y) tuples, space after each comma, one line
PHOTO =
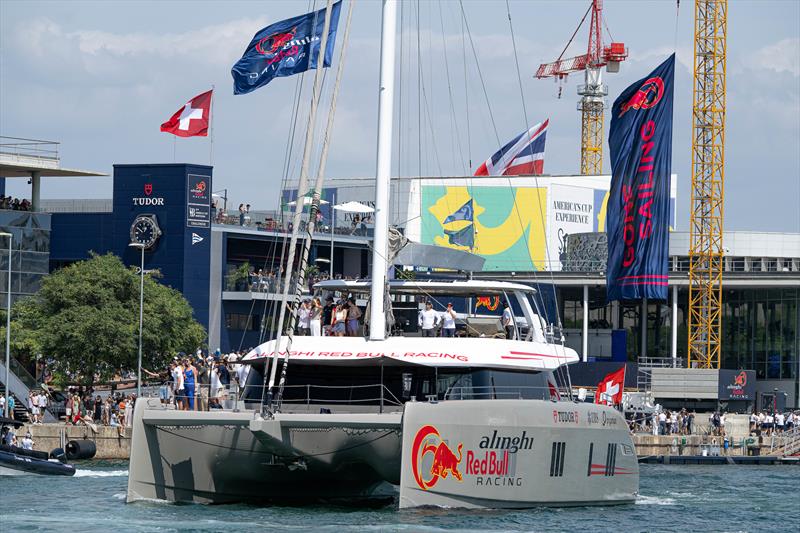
[(517, 224)]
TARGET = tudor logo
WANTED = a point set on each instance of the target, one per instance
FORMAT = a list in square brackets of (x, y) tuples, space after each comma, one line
[(148, 189)]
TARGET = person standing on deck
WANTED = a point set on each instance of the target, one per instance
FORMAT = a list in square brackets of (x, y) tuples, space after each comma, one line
[(449, 322), (353, 315), (508, 321), (428, 320)]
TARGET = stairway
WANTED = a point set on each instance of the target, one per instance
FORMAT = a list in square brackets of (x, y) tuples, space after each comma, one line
[(20, 384)]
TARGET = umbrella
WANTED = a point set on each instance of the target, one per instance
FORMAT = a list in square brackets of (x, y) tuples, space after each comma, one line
[(354, 207), (307, 201)]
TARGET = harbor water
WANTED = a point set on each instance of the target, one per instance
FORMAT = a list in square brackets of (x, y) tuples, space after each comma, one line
[(673, 498)]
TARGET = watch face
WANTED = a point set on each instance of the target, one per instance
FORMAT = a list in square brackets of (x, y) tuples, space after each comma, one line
[(145, 231)]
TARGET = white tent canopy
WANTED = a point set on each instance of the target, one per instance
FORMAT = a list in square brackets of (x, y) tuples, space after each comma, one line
[(354, 207), (307, 201)]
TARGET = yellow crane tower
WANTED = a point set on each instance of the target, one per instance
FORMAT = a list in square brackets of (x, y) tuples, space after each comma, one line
[(708, 177)]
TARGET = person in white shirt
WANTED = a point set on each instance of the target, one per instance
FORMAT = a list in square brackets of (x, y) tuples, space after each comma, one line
[(27, 442), (177, 375), (779, 419), (2, 404), (304, 319), (428, 320), (449, 322), (42, 406)]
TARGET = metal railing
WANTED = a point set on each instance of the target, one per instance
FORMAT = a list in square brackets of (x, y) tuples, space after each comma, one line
[(18, 147), (501, 392)]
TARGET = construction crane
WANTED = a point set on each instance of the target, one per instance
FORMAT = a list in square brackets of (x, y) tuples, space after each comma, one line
[(592, 92), (708, 176)]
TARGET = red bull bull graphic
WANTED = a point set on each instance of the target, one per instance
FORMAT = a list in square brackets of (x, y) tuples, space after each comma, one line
[(489, 302), (648, 95), (444, 461)]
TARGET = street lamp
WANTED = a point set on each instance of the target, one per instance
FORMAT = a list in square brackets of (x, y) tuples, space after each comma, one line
[(8, 323), (141, 316)]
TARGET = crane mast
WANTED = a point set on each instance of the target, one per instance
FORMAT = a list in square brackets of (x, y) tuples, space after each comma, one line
[(708, 176), (592, 91)]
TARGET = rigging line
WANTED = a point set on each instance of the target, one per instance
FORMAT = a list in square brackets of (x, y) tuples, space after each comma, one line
[(480, 74), (400, 96), (574, 33), (450, 93), (302, 184), (466, 95), (314, 209), (527, 126), (677, 17), (419, 96)]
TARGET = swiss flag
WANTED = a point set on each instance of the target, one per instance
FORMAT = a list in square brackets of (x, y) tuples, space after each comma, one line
[(609, 390), (192, 119)]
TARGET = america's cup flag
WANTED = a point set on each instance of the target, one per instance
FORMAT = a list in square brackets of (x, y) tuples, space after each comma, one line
[(192, 119), (522, 156)]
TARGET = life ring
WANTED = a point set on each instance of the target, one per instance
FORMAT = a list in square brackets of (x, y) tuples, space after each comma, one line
[(714, 441)]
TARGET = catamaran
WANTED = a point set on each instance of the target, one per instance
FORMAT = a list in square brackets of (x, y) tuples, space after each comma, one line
[(478, 420)]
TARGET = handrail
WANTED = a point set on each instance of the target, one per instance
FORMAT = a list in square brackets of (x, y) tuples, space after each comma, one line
[(495, 391)]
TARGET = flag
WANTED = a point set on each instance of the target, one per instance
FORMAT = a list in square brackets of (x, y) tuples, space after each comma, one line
[(464, 212), (523, 155), (640, 142), (192, 119), (287, 47), (609, 390), (462, 237)]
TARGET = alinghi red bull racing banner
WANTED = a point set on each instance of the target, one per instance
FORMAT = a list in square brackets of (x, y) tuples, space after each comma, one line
[(640, 140), (287, 47)]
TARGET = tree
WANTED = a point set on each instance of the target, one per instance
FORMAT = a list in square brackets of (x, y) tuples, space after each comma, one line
[(86, 317)]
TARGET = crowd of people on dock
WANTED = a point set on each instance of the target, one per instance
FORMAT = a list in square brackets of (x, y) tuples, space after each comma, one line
[(201, 383), (15, 204), (768, 423)]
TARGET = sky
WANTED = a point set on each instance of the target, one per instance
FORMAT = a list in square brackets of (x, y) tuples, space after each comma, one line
[(100, 78)]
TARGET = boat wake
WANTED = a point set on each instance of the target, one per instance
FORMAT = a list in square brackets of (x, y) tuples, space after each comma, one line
[(654, 500), (100, 473)]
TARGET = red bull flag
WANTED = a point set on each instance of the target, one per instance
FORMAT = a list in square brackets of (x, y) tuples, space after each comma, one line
[(192, 119), (522, 156), (287, 47), (640, 142)]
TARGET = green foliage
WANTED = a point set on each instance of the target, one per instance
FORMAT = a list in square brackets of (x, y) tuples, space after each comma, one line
[(86, 316)]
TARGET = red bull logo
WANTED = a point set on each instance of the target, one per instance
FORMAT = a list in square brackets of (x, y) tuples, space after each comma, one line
[(277, 46), (444, 461), (648, 95), (489, 302)]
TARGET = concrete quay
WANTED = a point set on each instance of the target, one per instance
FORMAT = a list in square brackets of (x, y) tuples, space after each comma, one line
[(115, 443), (111, 442)]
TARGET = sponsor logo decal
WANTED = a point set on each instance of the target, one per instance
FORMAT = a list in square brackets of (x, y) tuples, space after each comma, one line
[(148, 189), (566, 417), (492, 464), (199, 189), (196, 239), (429, 442), (489, 302), (648, 95)]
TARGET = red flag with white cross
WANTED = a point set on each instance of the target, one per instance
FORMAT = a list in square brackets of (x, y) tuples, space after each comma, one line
[(609, 390), (192, 119)]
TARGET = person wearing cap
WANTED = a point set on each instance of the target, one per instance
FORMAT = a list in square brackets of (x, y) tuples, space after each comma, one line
[(27, 442), (449, 322), (428, 320)]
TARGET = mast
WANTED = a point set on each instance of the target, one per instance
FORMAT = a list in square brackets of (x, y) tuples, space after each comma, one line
[(377, 318)]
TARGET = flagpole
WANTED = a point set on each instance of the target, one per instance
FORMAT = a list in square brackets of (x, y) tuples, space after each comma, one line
[(211, 129), (174, 146)]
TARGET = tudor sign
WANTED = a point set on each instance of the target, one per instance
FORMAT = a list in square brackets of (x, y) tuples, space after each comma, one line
[(148, 198)]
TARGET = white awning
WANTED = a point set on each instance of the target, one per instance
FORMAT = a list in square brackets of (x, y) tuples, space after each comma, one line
[(354, 207)]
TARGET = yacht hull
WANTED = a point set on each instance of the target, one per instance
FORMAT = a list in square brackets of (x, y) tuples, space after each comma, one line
[(232, 457), (516, 454)]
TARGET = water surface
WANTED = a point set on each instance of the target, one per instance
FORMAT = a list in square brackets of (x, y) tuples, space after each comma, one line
[(674, 498)]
